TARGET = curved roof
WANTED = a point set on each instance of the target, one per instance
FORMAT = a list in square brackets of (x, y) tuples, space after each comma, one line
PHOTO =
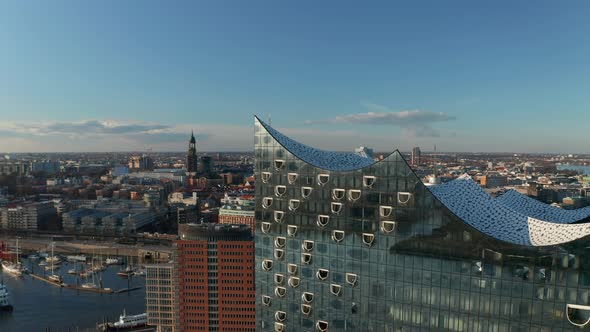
[(531, 207), (468, 201), (512, 219), (333, 161)]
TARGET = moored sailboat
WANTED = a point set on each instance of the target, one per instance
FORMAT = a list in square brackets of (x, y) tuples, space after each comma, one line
[(54, 277), (14, 268)]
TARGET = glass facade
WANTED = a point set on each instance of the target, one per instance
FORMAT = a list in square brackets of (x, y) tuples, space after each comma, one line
[(372, 249)]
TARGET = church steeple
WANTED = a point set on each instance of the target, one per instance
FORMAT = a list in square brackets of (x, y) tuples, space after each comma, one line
[(191, 156)]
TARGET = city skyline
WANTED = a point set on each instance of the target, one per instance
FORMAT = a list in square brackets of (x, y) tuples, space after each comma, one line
[(123, 77)]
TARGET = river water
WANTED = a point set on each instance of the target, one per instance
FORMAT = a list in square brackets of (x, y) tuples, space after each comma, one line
[(39, 306)]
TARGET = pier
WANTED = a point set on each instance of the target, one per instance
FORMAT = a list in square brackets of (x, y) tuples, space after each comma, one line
[(78, 288)]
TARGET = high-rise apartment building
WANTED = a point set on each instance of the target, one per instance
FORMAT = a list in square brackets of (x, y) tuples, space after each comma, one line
[(143, 162), (216, 278), (416, 156), (344, 243)]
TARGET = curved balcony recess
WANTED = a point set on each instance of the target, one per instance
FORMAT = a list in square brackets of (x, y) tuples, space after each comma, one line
[(266, 202), (306, 309), (291, 230), (354, 195), (294, 204), (265, 176), (292, 177), (279, 164), (578, 315), (265, 227), (338, 194), (387, 226), (292, 269), (337, 236)]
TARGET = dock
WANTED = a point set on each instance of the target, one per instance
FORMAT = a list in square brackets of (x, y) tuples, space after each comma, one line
[(78, 288), (127, 290)]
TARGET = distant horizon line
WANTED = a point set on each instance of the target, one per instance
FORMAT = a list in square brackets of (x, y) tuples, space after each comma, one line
[(252, 151)]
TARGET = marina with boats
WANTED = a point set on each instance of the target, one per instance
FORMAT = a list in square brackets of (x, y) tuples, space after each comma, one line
[(116, 281)]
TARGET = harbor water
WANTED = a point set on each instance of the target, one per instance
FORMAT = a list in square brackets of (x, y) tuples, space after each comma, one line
[(40, 306), (579, 168)]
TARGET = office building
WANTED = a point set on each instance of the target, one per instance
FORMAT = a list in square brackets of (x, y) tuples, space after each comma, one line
[(45, 166), (108, 217), (161, 293), (238, 211), (12, 167), (344, 243), (143, 162), (493, 180), (216, 278), (416, 156), (206, 166), (187, 214)]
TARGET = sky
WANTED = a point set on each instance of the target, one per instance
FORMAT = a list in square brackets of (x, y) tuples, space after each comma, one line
[(501, 76)]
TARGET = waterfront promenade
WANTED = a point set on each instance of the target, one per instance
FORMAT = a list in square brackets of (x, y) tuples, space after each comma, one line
[(159, 253)]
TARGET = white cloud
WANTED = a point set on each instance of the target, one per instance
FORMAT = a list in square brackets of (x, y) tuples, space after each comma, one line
[(93, 135), (415, 123)]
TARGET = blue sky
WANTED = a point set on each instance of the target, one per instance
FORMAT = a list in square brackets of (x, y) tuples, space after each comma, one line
[(128, 75)]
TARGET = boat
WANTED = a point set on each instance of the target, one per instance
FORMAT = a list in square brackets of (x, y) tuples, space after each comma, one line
[(53, 277), (14, 268), (34, 257), (129, 322), (99, 268), (114, 261), (140, 272), (89, 285), (4, 303), (126, 272), (52, 267), (42, 263), (74, 270), (87, 273), (76, 258), (53, 259)]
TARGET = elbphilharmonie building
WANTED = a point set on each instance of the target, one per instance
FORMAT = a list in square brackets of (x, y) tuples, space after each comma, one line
[(344, 243)]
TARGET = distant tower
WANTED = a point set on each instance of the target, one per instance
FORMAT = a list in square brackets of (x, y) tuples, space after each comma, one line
[(206, 166), (191, 156), (416, 156)]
